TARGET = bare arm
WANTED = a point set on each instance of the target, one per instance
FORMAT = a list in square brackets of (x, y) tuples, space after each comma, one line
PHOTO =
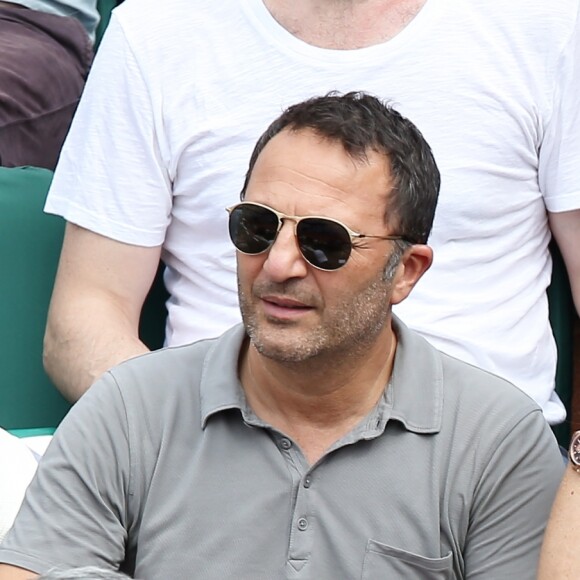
[(8, 572), (565, 228), (560, 557), (93, 319)]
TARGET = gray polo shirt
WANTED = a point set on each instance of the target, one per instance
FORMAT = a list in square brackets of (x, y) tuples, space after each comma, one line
[(162, 468)]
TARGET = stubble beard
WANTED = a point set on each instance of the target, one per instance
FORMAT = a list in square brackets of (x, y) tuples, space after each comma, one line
[(343, 333)]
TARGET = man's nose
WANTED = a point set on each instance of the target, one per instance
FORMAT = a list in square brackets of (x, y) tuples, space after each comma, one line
[(284, 259)]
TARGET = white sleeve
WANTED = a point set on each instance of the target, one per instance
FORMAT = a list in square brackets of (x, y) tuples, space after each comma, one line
[(559, 175), (112, 175)]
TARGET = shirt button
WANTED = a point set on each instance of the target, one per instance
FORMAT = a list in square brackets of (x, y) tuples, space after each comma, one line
[(285, 443), (302, 524), (307, 481)]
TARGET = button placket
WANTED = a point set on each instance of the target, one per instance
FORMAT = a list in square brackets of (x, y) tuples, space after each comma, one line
[(303, 526)]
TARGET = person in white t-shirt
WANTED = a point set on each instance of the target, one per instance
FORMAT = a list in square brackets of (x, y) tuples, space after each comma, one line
[(178, 95)]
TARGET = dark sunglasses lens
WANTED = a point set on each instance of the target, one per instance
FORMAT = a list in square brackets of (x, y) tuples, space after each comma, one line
[(253, 229), (325, 244)]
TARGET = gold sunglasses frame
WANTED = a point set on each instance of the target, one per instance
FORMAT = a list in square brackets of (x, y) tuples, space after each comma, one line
[(297, 219)]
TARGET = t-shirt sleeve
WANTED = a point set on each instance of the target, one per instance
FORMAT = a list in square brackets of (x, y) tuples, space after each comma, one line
[(512, 503), (75, 510), (112, 175), (559, 176)]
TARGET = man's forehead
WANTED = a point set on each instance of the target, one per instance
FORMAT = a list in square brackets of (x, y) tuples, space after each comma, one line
[(309, 149), (304, 173)]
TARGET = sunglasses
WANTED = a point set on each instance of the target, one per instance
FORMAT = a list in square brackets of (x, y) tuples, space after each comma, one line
[(324, 243)]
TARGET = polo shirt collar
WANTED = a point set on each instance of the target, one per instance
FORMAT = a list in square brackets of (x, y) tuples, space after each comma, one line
[(220, 387), (414, 396), (415, 393)]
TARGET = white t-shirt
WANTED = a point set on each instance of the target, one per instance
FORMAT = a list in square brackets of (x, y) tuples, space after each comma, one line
[(178, 96)]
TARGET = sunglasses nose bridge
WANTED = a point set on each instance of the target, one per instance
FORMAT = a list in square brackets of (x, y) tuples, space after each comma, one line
[(292, 221), (288, 218), (312, 243)]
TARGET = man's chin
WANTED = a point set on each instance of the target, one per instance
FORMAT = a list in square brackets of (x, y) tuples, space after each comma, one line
[(284, 351)]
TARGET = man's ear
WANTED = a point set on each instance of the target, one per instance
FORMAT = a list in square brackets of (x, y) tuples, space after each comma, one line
[(415, 261)]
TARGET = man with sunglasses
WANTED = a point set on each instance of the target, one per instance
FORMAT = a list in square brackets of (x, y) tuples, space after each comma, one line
[(322, 438), (178, 96)]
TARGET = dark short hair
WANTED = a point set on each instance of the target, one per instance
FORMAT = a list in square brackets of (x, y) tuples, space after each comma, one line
[(361, 122)]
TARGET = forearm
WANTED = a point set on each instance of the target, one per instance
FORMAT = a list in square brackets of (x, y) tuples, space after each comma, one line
[(565, 228), (93, 319), (85, 339), (560, 557)]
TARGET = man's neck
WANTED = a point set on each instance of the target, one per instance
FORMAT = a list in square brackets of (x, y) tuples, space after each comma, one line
[(344, 24), (317, 404)]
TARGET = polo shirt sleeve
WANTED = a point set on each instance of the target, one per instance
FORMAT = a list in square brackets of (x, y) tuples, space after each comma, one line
[(74, 511), (512, 502)]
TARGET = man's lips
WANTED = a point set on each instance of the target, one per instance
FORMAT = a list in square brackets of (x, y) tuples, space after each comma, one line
[(284, 307)]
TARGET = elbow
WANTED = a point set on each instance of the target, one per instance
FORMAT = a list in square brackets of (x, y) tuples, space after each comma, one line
[(49, 356), (53, 363)]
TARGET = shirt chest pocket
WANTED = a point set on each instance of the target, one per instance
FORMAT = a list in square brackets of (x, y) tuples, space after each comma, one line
[(382, 561)]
